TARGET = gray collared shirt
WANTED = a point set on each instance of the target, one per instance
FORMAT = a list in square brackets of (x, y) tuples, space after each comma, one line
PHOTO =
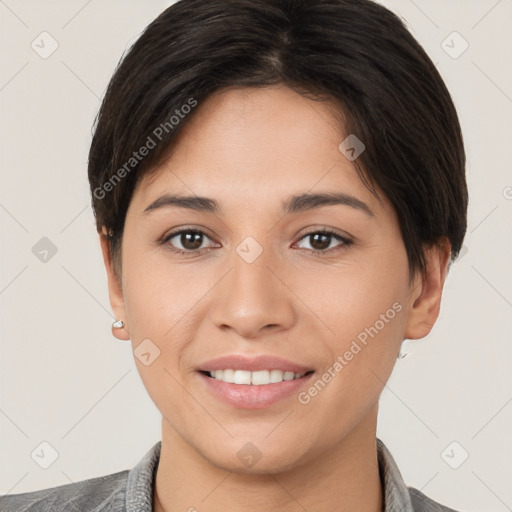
[(132, 491)]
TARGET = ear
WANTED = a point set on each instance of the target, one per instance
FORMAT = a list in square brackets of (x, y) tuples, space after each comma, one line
[(427, 291), (115, 290)]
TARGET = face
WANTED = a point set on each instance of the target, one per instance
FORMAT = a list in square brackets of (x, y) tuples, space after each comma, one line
[(265, 286)]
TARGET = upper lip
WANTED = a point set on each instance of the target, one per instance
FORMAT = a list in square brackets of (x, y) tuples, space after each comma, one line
[(252, 364)]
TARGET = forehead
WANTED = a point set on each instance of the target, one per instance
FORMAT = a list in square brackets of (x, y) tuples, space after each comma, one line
[(263, 143), (275, 118)]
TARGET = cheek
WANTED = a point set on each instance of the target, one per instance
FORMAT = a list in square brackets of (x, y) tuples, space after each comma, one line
[(156, 296), (365, 311), (362, 357), (352, 301)]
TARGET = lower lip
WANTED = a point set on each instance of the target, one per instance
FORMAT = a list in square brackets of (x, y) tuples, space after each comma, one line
[(245, 396)]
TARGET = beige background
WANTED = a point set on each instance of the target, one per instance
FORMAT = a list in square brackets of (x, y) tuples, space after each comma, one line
[(66, 381)]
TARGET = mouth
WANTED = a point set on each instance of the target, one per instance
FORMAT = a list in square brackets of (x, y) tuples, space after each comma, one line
[(254, 378), (260, 389), (249, 381)]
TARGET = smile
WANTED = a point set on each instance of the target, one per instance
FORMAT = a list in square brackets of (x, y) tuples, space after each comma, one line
[(256, 378)]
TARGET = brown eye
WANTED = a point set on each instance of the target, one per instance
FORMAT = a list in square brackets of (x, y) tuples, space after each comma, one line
[(320, 241), (186, 240)]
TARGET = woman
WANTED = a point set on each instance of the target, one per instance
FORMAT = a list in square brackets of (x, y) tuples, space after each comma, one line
[(279, 190)]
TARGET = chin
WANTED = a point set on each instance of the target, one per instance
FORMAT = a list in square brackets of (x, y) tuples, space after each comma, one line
[(254, 457)]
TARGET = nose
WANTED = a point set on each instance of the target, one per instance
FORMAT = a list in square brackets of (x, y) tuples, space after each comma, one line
[(253, 300)]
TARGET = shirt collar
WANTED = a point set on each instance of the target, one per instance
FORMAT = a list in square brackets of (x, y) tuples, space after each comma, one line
[(396, 493), (141, 481)]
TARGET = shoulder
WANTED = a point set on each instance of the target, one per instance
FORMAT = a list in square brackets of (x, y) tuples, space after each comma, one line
[(397, 496), (422, 503), (99, 494), (115, 492)]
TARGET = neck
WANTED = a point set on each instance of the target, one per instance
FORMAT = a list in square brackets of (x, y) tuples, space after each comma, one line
[(344, 479)]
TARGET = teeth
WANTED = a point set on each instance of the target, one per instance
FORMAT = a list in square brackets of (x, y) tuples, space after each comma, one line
[(257, 378), (240, 377), (228, 375)]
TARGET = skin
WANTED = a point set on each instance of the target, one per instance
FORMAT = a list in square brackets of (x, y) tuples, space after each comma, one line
[(250, 149)]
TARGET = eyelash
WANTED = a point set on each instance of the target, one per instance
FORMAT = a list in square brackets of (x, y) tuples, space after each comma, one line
[(326, 231)]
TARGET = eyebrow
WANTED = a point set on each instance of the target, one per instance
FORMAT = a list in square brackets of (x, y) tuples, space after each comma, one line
[(295, 204)]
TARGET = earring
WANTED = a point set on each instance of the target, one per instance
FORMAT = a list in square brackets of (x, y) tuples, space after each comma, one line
[(118, 324), (403, 353)]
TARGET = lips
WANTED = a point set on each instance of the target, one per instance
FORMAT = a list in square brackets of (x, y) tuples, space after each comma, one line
[(253, 364), (248, 394)]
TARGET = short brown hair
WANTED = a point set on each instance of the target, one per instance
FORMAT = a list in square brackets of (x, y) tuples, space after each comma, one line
[(356, 53)]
